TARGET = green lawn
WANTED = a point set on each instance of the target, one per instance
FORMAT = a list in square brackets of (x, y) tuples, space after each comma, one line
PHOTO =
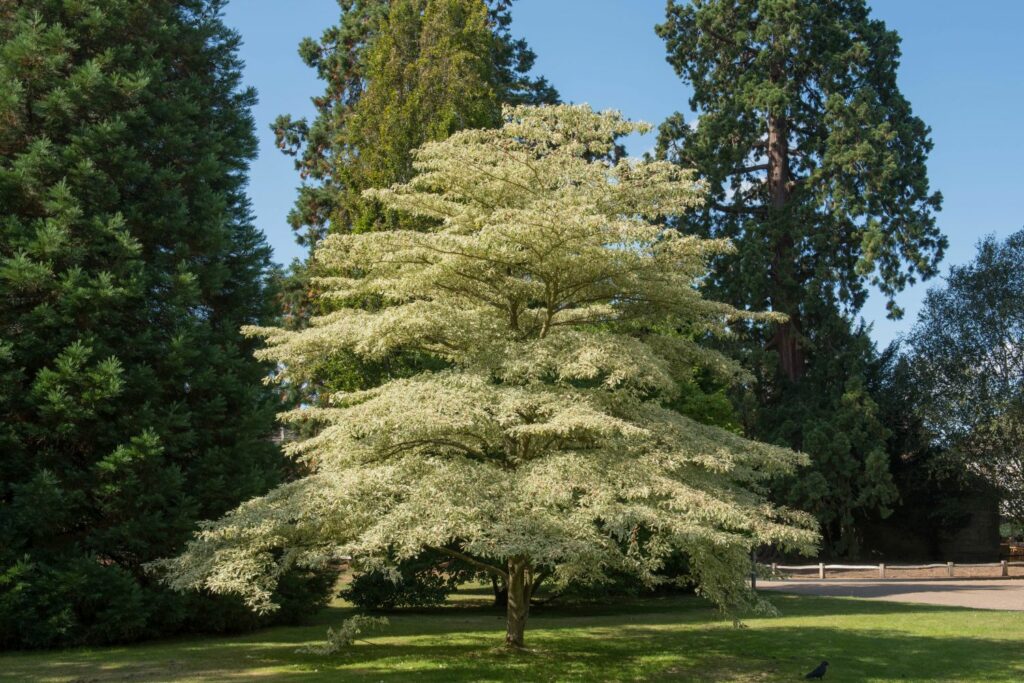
[(640, 640)]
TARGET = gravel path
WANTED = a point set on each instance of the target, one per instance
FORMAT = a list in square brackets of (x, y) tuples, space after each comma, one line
[(1007, 594)]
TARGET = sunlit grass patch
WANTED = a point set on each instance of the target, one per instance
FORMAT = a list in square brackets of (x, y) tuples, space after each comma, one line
[(680, 638)]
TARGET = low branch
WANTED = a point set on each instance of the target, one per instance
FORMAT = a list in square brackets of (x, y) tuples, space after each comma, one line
[(444, 443), (470, 560), (750, 169), (538, 580)]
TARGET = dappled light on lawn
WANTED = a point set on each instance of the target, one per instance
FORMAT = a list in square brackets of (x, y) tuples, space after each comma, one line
[(679, 638)]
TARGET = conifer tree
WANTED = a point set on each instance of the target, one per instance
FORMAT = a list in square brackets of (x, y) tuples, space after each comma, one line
[(815, 161), (430, 72), (429, 67), (563, 318), (815, 166), (130, 406)]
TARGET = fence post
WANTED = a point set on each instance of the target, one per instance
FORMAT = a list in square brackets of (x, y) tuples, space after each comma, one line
[(1002, 568), (949, 568), (821, 570), (881, 570), (775, 568)]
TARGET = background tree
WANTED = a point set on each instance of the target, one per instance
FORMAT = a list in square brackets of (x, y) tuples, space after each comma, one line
[(815, 167), (967, 354), (834, 416), (130, 405), (564, 317), (430, 67), (936, 501)]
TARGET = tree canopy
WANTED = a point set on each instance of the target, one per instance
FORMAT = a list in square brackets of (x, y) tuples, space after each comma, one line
[(814, 160), (815, 168), (397, 74), (565, 318), (967, 354), (130, 405)]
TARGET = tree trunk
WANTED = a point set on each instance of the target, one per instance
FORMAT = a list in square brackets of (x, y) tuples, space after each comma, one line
[(500, 592), (786, 343), (786, 340), (518, 609)]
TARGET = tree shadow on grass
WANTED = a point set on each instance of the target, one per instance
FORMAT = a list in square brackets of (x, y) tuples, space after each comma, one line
[(689, 641), (584, 641), (712, 654), (643, 639)]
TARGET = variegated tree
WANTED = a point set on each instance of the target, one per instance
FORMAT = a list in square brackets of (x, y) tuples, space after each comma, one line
[(564, 319)]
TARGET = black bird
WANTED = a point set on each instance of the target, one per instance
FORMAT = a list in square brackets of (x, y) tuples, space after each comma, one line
[(818, 673)]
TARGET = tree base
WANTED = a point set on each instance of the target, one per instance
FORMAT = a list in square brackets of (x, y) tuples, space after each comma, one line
[(507, 650)]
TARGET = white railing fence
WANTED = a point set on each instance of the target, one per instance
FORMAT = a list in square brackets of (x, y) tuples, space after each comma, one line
[(881, 568)]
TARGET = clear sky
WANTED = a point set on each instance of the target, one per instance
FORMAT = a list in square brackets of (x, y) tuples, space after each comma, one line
[(962, 70)]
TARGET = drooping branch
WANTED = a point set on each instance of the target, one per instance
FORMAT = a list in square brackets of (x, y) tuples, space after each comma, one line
[(468, 451), (468, 559), (538, 579)]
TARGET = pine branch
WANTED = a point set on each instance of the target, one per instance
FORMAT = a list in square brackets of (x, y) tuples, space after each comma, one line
[(736, 209)]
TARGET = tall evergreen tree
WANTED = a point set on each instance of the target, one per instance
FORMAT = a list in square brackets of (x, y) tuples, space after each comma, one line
[(430, 72), (815, 167), (428, 67), (814, 159), (130, 406)]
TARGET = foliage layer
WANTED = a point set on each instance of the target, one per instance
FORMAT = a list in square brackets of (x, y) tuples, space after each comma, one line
[(816, 170), (130, 405), (967, 355)]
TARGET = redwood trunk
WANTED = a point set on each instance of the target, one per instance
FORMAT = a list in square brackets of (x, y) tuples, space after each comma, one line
[(786, 340), (518, 607), (786, 343)]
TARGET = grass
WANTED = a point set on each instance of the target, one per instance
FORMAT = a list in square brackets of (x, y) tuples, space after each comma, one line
[(667, 639)]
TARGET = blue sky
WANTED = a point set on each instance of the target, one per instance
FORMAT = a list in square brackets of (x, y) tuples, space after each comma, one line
[(962, 71)]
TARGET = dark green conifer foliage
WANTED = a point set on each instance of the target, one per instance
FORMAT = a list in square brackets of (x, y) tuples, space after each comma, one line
[(815, 166), (429, 73), (936, 498), (832, 414), (429, 68), (130, 407)]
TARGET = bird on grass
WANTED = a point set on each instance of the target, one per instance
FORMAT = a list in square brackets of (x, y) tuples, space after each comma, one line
[(818, 673)]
